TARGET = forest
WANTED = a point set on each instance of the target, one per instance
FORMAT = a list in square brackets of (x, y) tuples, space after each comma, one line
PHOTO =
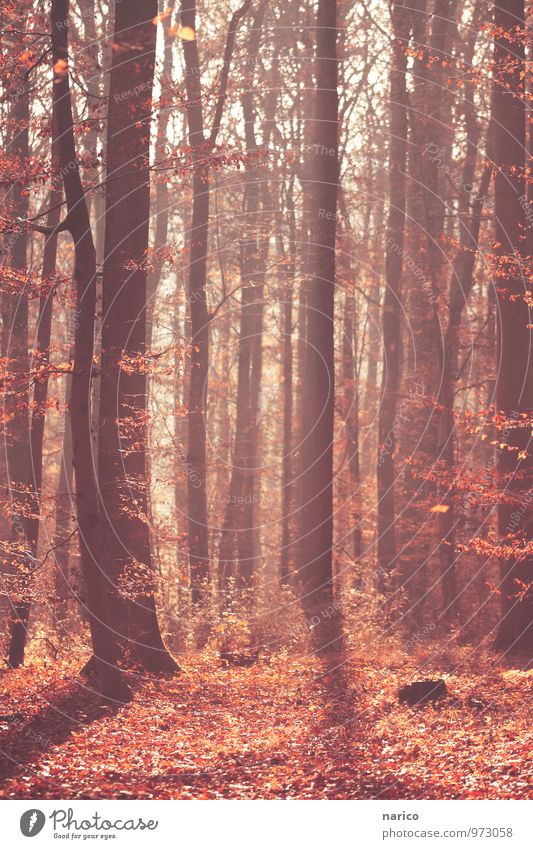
[(266, 381)]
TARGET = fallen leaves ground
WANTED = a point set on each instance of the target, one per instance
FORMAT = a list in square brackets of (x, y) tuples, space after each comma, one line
[(279, 729)]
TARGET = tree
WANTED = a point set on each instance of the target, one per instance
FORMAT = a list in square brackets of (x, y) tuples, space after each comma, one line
[(286, 300), (460, 287), (433, 24), (392, 305), (514, 387), (105, 649), (201, 150), (123, 386), (40, 368), (315, 569), (237, 539), (17, 401)]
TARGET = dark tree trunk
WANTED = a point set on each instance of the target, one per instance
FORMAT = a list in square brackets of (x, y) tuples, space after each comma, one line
[(430, 148), (63, 578), (460, 287), (514, 388), (350, 414), (238, 537), (461, 283), (123, 388), (315, 569), (105, 648), (195, 468), (305, 134), (388, 421), (17, 404), (196, 465), (347, 402), (38, 415), (236, 544), (287, 485)]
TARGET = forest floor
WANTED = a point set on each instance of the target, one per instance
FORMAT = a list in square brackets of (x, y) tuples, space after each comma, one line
[(278, 729)]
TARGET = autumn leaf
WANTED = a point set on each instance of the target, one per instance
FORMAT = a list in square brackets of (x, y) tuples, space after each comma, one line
[(61, 68), (185, 33), (160, 18)]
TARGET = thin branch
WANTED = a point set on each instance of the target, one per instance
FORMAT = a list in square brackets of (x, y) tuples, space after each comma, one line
[(52, 548), (228, 53)]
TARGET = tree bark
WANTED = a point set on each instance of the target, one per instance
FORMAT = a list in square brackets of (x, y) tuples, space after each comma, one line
[(430, 119), (17, 402), (123, 421), (514, 387), (392, 308), (315, 569), (63, 579), (462, 279), (287, 484), (196, 466), (38, 415), (105, 649), (196, 470), (237, 539)]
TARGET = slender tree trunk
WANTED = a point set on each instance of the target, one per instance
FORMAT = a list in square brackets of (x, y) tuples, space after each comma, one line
[(237, 539), (62, 573), (287, 485), (162, 197), (391, 320), (350, 386), (196, 466), (161, 214), (231, 548), (460, 287), (17, 412), (305, 136), (461, 283), (40, 364), (350, 414), (431, 146), (374, 341)]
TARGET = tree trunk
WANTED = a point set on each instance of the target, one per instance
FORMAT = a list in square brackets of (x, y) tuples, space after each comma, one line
[(63, 578), (462, 279), (316, 569), (429, 128), (237, 539), (460, 287), (41, 361), (347, 404), (17, 403), (287, 484), (391, 320), (350, 414), (514, 388), (88, 519), (123, 389), (196, 466), (196, 471)]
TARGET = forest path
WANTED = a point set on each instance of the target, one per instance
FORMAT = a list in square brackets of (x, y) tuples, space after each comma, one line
[(275, 730)]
